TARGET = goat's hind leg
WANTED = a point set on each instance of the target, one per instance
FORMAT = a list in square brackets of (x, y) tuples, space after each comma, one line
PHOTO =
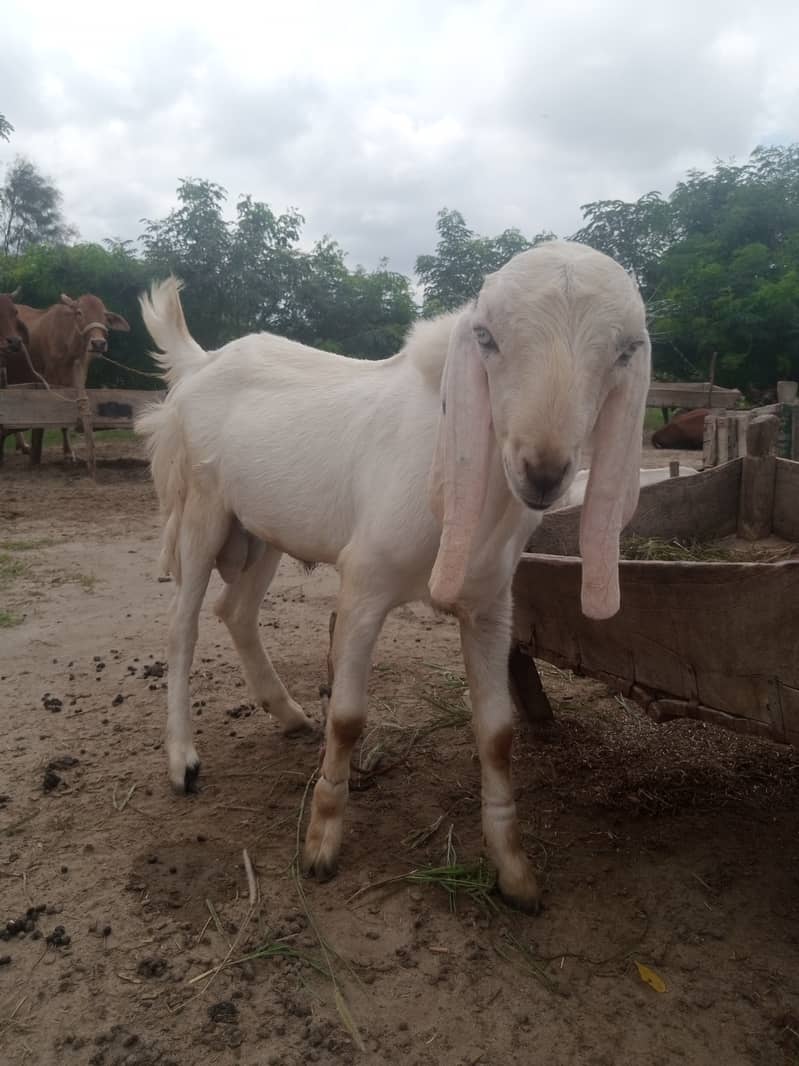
[(201, 535), (238, 608)]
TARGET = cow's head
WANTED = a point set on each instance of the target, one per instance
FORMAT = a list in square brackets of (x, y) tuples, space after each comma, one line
[(93, 321), (13, 331)]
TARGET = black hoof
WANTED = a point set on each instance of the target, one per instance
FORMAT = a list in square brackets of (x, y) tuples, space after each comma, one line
[(526, 906), (321, 871), (190, 779)]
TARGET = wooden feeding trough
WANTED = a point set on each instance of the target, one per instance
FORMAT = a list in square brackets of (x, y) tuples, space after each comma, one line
[(717, 641)]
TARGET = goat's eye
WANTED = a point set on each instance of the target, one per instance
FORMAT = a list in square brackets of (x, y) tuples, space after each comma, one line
[(628, 353), (484, 339)]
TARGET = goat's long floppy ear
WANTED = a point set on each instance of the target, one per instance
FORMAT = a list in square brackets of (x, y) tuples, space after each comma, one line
[(459, 475), (611, 496)]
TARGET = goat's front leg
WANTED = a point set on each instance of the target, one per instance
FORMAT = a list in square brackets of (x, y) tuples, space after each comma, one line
[(485, 638), (358, 624)]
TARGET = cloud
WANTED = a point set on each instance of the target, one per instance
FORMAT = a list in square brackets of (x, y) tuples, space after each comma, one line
[(369, 117)]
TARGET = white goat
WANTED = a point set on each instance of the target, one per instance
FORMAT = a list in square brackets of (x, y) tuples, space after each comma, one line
[(420, 477), (648, 476)]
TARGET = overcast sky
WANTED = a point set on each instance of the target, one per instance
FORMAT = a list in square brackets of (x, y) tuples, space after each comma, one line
[(370, 115)]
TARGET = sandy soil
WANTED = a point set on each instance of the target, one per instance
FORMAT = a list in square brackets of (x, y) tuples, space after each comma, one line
[(670, 846)]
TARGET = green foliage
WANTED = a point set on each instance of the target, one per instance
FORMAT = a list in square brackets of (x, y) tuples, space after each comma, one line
[(462, 259), (249, 274), (636, 234), (718, 263)]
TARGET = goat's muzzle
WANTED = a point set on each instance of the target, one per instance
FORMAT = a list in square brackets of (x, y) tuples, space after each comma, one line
[(544, 483)]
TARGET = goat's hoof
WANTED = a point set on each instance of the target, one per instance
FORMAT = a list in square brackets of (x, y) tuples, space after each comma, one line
[(320, 869), (527, 904), (527, 900), (184, 769), (190, 775), (520, 892)]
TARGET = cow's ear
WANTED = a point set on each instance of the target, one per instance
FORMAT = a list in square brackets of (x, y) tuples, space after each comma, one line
[(115, 321)]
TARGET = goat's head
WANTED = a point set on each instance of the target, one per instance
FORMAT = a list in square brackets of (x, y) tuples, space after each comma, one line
[(553, 354)]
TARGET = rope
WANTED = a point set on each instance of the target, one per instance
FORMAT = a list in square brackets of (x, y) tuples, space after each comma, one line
[(130, 369), (36, 373)]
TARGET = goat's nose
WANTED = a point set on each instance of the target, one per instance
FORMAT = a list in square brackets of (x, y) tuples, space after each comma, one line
[(544, 479)]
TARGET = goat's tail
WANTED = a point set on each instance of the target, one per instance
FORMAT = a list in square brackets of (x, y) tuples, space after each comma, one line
[(160, 423), (163, 316)]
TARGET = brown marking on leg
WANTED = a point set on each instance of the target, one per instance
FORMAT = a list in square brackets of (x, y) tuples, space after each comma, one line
[(346, 731), (498, 748)]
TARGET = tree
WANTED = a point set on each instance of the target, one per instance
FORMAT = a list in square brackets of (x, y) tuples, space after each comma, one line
[(462, 259), (730, 284), (30, 210), (635, 234), (6, 129), (248, 274)]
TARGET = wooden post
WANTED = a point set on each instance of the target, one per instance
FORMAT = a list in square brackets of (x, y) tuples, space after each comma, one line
[(674, 468), (722, 437), (526, 689), (742, 421), (711, 380), (37, 438), (710, 454), (3, 385), (756, 502), (85, 413)]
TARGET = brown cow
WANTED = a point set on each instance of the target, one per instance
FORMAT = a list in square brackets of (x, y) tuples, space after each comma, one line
[(64, 338), (686, 430), (13, 364)]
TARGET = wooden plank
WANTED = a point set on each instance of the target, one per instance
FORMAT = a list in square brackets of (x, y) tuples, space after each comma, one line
[(118, 406), (701, 508), (110, 408), (36, 408), (720, 638), (756, 500), (690, 395), (785, 519)]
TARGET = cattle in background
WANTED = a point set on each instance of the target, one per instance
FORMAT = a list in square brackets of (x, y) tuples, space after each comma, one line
[(686, 430), (13, 363), (65, 337)]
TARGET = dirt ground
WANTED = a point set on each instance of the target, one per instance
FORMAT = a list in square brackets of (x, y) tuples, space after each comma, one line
[(673, 847)]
